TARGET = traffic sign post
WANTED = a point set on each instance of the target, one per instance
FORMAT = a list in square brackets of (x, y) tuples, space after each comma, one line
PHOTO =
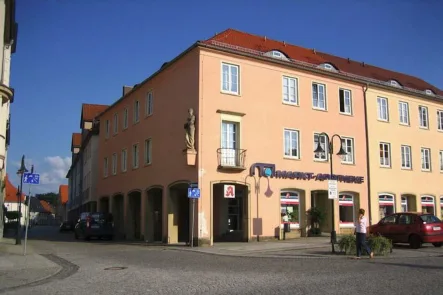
[(332, 189), (29, 178), (193, 193)]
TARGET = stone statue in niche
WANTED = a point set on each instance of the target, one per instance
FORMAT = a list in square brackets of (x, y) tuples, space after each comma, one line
[(190, 130)]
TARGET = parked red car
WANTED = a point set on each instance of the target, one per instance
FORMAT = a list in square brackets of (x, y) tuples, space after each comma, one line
[(410, 227)]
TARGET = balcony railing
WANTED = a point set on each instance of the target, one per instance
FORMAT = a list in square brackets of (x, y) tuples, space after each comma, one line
[(231, 158)]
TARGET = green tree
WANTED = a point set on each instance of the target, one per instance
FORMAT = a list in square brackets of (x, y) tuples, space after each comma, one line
[(51, 198)]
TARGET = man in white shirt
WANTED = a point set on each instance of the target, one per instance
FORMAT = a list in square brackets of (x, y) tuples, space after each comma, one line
[(360, 230)]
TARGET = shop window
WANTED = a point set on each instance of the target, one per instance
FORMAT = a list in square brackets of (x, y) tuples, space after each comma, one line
[(441, 207), (427, 204), (346, 208), (290, 208), (386, 205), (404, 204)]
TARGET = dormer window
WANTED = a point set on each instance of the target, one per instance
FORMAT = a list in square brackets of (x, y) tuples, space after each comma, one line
[(328, 66), (276, 54), (394, 83), (429, 92)]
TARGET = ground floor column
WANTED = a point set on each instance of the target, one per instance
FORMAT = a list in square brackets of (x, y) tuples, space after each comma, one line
[(143, 213), (305, 205)]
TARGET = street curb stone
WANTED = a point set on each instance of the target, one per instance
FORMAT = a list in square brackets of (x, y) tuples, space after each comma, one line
[(65, 270)]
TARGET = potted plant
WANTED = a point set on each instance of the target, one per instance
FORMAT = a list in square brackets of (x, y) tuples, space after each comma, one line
[(316, 218)]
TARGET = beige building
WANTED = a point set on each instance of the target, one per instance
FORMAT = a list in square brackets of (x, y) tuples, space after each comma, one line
[(405, 129), (8, 41)]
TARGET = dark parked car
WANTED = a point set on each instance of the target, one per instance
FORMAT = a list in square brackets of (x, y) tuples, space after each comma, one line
[(66, 226), (95, 224), (410, 227)]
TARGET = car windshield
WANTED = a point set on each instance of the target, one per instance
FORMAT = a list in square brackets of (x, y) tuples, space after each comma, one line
[(430, 218)]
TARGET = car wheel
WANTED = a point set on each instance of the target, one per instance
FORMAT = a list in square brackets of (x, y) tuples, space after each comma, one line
[(76, 236), (414, 241), (87, 238), (438, 245)]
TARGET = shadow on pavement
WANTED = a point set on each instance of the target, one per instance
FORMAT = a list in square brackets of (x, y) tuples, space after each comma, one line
[(409, 265)]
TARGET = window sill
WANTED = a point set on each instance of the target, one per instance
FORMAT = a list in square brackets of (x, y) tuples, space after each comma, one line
[(404, 124), (382, 121), (148, 115), (230, 93), (385, 167), (348, 163), (320, 161), (426, 170), (292, 104), (291, 158), (346, 114), (347, 225), (134, 168), (406, 169), (135, 123), (148, 164), (423, 128), (319, 109)]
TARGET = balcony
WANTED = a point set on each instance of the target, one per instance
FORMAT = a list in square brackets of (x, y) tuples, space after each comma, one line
[(231, 159), (6, 93)]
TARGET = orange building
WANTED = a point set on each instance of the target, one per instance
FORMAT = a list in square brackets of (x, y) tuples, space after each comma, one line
[(260, 108)]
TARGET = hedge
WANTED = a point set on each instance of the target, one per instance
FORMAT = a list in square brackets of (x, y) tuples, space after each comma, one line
[(381, 246)]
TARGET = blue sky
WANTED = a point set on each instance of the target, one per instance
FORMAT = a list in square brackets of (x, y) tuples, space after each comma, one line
[(75, 51)]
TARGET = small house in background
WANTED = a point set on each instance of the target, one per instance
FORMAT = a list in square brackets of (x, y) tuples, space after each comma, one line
[(12, 202)]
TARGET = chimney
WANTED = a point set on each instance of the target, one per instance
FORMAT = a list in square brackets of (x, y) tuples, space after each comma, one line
[(126, 89), (363, 63), (349, 60), (265, 38), (284, 43), (315, 52)]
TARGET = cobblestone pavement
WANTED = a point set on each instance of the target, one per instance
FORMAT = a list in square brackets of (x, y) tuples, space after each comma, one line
[(159, 270)]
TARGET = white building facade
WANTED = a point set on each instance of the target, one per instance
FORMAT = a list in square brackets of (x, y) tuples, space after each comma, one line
[(8, 41)]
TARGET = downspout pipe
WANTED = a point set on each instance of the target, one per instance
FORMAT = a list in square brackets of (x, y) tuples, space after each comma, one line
[(368, 166)]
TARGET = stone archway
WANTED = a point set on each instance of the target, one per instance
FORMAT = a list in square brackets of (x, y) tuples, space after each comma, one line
[(103, 204), (178, 212), (118, 214), (133, 215), (154, 214)]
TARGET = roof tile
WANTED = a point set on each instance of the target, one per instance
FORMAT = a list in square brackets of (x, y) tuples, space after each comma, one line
[(263, 44), (63, 193), (11, 192)]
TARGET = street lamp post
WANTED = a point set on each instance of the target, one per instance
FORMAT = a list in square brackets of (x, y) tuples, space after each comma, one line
[(342, 153), (21, 171)]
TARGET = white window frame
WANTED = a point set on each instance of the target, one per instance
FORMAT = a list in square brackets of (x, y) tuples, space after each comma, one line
[(423, 116), (289, 94), (349, 92), (386, 147), (324, 144), (425, 152), (230, 79), (135, 156), (115, 123), (440, 152), (440, 120), (124, 160), (114, 164), (105, 167), (107, 128), (149, 105), (148, 151), (291, 132), (406, 155), (346, 224), (403, 112), (317, 97), (136, 111), (385, 116), (348, 146), (291, 225), (125, 118)]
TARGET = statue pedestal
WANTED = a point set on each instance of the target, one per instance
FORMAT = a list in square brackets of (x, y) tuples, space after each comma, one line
[(191, 157)]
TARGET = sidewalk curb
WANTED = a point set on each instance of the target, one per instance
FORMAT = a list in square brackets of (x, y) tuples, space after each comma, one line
[(64, 270), (300, 256)]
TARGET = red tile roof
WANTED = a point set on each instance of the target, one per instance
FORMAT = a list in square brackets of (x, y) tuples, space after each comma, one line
[(46, 207), (260, 43), (90, 111), (76, 140), (11, 192), (63, 193)]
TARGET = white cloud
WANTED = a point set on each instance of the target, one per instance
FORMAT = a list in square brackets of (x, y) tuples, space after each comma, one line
[(58, 168)]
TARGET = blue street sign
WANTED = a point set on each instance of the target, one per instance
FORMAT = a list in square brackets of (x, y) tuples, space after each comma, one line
[(31, 178), (193, 193)]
